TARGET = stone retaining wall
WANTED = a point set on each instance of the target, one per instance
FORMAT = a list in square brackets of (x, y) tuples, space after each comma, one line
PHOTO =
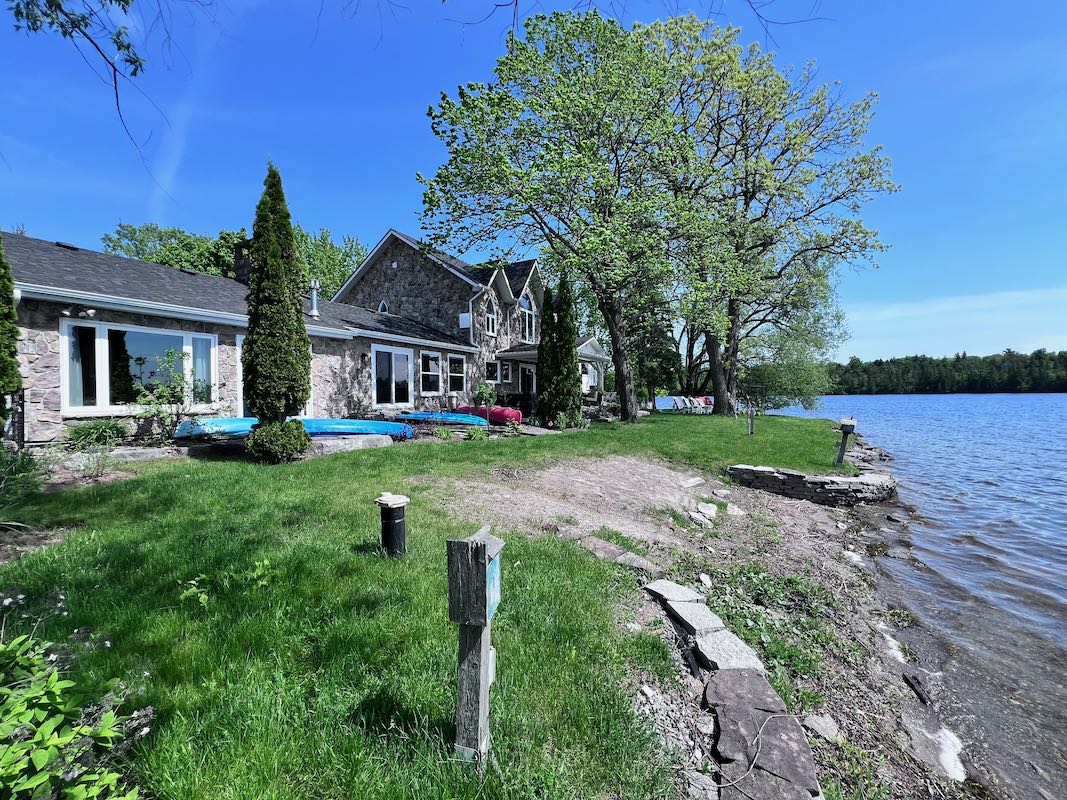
[(827, 490)]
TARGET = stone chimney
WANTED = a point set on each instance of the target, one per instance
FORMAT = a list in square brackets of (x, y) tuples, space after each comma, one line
[(242, 261)]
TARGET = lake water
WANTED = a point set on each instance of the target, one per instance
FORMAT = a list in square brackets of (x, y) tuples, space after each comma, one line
[(988, 584)]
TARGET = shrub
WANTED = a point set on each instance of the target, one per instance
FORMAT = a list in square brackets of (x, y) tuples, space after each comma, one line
[(485, 395), (96, 433), (478, 434), (277, 442), (442, 433), (55, 743), (21, 473)]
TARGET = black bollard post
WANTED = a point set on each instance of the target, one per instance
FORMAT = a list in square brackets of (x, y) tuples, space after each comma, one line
[(751, 420), (394, 533), (848, 425)]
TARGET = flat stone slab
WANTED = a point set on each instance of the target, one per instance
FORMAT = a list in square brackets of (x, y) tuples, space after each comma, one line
[(782, 749), (699, 519), (758, 785), (823, 725), (324, 445), (746, 687), (709, 510), (602, 549), (640, 563), (734, 511), (723, 650), (669, 590), (533, 430), (692, 483), (696, 618)]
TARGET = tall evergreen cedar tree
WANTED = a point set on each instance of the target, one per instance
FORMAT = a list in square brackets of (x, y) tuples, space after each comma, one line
[(546, 360), (559, 379), (10, 378), (276, 357)]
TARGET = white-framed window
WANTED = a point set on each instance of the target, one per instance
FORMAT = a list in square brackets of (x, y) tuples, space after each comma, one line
[(429, 372), (103, 365), (457, 374), (391, 375), (383, 307), (490, 315), (527, 317), (505, 372), (492, 372)]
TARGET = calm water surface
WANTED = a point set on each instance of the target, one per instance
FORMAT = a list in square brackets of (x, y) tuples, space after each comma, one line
[(988, 475)]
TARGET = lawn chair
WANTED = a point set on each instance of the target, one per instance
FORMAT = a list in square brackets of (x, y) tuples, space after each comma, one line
[(701, 406)]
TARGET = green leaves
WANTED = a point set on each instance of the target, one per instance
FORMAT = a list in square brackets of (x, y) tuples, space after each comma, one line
[(53, 743)]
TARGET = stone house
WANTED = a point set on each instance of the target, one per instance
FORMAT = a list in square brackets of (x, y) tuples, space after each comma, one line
[(409, 330)]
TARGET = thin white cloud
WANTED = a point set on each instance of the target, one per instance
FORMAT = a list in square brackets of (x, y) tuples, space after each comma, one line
[(978, 324)]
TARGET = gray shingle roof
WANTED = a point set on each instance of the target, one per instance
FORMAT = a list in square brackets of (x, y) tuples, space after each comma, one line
[(57, 266)]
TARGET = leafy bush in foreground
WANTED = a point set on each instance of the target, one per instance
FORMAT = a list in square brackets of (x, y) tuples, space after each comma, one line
[(275, 443), (52, 742)]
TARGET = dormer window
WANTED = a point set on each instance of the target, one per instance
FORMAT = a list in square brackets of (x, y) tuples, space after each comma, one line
[(490, 315), (526, 317), (383, 307)]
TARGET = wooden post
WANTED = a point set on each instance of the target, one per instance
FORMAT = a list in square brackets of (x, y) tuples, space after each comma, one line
[(751, 420), (848, 425), (473, 596)]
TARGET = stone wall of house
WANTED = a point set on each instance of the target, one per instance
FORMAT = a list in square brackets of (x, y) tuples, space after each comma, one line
[(417, 288), (38, 355)]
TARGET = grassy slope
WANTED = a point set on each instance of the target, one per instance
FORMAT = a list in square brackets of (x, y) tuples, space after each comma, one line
[(336, 678)]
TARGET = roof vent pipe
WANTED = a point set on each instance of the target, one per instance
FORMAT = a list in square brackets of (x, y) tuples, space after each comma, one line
[(314, 285)]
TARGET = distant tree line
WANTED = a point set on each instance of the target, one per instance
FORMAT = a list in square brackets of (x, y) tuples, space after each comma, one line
[(1010, 371)]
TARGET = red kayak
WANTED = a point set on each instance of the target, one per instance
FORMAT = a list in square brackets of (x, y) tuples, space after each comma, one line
[(498, 415)]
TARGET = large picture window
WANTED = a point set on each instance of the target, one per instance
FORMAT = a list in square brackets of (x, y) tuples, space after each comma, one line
[(106, 366), (392, 374), (430, 372), (457, 374), (527, 317)]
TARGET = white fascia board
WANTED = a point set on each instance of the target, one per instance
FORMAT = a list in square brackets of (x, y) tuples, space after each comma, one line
[(54, 294), (395, 337)]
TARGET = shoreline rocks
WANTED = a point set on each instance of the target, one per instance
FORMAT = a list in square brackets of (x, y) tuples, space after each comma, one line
[(827, 490)]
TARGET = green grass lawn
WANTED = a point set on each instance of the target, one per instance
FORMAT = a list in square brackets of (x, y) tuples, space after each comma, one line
[(330, 673)]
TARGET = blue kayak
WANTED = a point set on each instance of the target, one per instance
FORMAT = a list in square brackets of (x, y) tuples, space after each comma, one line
[(316, 426), (442, 418)]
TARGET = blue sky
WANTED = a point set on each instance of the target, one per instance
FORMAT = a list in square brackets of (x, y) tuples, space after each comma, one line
[(973, 112)]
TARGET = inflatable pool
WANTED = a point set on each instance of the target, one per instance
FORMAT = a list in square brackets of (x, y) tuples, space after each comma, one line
[(442, 418), (316, 426)]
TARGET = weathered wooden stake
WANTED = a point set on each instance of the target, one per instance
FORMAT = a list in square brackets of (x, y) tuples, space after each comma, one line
[(473, 596), (751, 420), (848, 425)]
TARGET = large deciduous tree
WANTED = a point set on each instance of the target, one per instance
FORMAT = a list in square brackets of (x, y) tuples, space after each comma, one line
[(176, 247), (321, 257), (562, 151), (10, 377), (276, 357), (769, 186)]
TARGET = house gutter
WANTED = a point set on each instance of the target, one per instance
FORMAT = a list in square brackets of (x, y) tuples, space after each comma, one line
[(395, 337), (38, 292)]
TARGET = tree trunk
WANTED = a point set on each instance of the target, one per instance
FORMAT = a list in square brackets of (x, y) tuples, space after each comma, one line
[(720, 388), (620, 355)]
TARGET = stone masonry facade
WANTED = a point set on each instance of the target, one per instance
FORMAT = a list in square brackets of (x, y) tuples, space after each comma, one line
[(340, 370), (423, 290)]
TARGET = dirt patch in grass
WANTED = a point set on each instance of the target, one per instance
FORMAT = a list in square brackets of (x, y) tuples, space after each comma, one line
[(788, 576), (16, 541), (63, 479)]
